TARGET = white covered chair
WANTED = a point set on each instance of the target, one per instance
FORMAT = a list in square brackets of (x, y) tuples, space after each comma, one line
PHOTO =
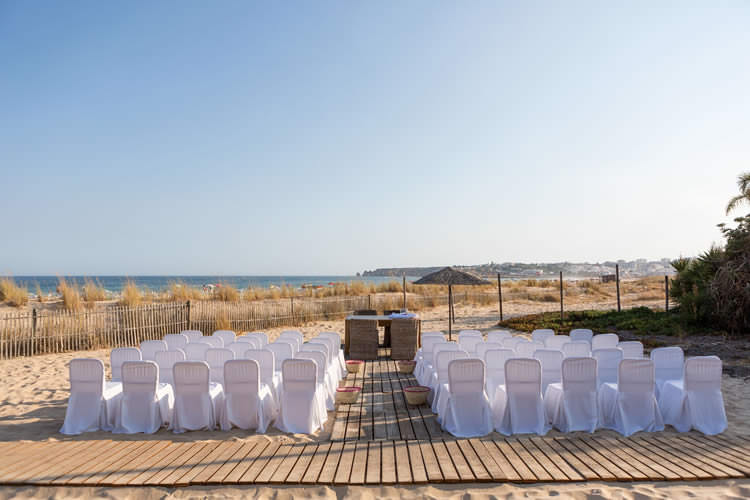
[(193, 335), (518, 407), (430, 368), (176, 341), (551, 360), (581, 334), (468, 412), (512, 342), (333, 356), (607, 365), (331, 370), (197, 401), (295, 335), (120, 355), (302, 405), (215, 342), (424, 357), (268, 373), (439, 382), (322, 377), (576, 349), (556, 341), (498, 336), (239, 348), (281, 352), (572, 405), (630, 405), (669, 364), (91, 404), (196, 351), (540, 334), (216, 359), (470, 332), (469, 340), (252, 342), (339, 352), (696, 403), (527, 349), (226, 336), (145, 404), (149, 348), (260, 337), (166, 360), (291, 341), (631, 349), (494, 363), (486, 346), (604, 341), (248, 402)]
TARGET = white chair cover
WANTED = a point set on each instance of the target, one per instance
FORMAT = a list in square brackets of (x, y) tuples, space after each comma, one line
[(324, 385), (302, 408), (556, 342), (527, 349), (92, 401), (425, 357), (632, 349), (145, 404), (226, 336), (669, 364), (193, 335), (518, 407), (470, 332), (239, 348), (572, 405), (494, 362), (333, 357), (268, 373), (630, 405), (468, 412), (332, 375), (429, 370), (469, 340), (581, 334), (251, 342), (196, 351), (216, 359), (260, 337), (607, 365), (149, 348), (197, 401), (576, 349), (166, 360), (176, 341), (281, 352), (551, 360), (439, 383), (512, 343), (248, 403), (336, 339), (696, 403), (214, 341), (120, 355), (291, 341), (294, 335), (604, 341), (498, 336), (486, 346), (540, 334)]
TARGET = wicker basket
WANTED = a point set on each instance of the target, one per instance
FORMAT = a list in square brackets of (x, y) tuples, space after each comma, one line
[(406, 366), (416, 394), (355, 365), (347, 395)]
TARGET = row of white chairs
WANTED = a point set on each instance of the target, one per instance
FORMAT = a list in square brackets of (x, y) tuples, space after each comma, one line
[(294, 390)]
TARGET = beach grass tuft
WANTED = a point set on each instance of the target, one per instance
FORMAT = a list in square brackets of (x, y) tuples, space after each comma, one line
[(131, 296), (71, 295), (12, 293)]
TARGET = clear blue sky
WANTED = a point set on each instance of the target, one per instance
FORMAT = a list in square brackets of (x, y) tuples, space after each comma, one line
[(176, 137)]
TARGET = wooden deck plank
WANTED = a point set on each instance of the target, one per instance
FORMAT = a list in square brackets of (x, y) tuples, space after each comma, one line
[(388, 463), (316, 464), (180, 476), (676, 458), (234, 469), (135, 466), (707, 455), (638, 467), (447, 468), (431, 465), (697, 459), (148, 465), (524, 472), (255, 462), (213, 457), (359, 465), (282, 471), (403, 467), (595, 454), (729, 446), (328, 471), (418, 472), (300, 468), (24, 461), (105, 467), (528, 460), (601, 471), (462, 466), (543, 460), (655, 461), (578, 465), (82, 461), (477, 468), (344, 469), (228, 449), (557, 459), (624, 462), (271, 466), (740, 463), (373, 463), (502, 469), (48, 467), (177, 450)]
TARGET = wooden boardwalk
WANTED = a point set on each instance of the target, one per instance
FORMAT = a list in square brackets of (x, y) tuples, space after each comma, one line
[(379, 440)]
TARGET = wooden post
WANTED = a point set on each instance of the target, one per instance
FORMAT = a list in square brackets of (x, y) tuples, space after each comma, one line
[(561, 300), (291, 301), (617, 281), (450, 314), (404, 287), (188, 315), (33, 331), (500, 295), (666, 293), (369, 301)]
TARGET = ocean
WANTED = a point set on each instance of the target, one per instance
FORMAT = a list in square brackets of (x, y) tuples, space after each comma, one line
[(114, 284)]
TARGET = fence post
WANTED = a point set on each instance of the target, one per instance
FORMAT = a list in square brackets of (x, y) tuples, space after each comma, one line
[(561, 300), (33, 331), (291, 301), (500, 295), (617, 281), (404, 287), (666, 293), (188, 315), (369, 301)]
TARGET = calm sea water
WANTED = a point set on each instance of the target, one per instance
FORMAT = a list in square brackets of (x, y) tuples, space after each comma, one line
[(114, 284)]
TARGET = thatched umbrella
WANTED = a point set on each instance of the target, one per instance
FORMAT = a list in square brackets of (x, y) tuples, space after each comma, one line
[(449, 276)]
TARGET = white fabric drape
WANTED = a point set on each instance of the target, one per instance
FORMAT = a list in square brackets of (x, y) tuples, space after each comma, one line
[(198, 402), (323, 385), (518, 406), (669, 364), (581, 334), (248, 403), (494, 362), (630, 405), (572, 405), (302, 405), (196, 350), (604, 341), (338, 351), (527, 349), (226, 336), (145, 404), (576, 349), (468, 412), (176, 341), (498, 336), (216, 359), (149, 349), (425, 358), (540, 334), (439, 383), (268, 373), (551, 360), (631, 349), (556, 341), (92, 400), (120, 355), (166, 360), (607, 365)]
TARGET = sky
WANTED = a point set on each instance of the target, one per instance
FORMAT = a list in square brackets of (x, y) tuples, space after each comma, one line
[(266, 138)]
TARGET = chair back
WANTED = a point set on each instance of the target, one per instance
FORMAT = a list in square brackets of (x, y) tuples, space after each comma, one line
[(540, 334), (579, 375), (176, 340), (239, 348), (196, 351), (443, 346), (607, 363), (330, 344), (429, 343), (266, 361), (299, 375), (556, 341), (467, 333), (227, 336), (581, 334), (486, 346), (443, 360), (250, 342), (86, 376), (291, 342), (241, 376), (523, 376), (466, 376), (576, 349), (551, 360), (527, 349), (636, 376), (166, 360), (632, 349), (703, 373), (293, 334), (192, 335), (214, 341), (120, 355), (494, 362), (216, 359), (335, 337), (669, 363), (604, 341), (260, 337), (498, 336), (433, 334), (281, 352), (149, 348), (320, 362), (512, 342), (468, 340), (140, 377), (317, 347), (191, 377)]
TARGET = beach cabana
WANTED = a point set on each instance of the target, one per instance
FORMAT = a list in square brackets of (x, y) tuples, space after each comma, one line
[(450, 276)]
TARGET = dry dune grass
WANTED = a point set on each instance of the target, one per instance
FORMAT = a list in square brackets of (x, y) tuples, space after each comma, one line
[(13, 294), (131, 296), (71, 296)]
